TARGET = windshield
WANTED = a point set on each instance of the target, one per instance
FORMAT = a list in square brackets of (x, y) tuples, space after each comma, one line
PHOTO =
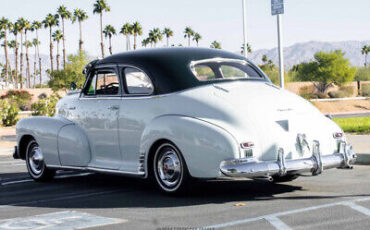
[(218, 69)]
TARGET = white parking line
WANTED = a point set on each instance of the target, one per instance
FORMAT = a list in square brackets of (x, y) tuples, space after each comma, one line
[(358, 208), (277, 223), (275, 215), (68, 197), (56, 177)]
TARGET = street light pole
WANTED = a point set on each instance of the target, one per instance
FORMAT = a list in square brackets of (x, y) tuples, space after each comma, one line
[(245, 50), (281, 56)]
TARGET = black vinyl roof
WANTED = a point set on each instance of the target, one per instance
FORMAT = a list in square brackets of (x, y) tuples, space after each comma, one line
[(168, 68)]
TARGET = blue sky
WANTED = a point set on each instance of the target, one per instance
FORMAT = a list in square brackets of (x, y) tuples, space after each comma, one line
[(221, 20)]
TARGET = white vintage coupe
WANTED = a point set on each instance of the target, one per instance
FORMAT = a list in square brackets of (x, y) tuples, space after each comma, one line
[(180, 113)]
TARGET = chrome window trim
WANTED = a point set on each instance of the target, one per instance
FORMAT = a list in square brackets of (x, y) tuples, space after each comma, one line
[(127, 94), (113, 66), (241, 61)]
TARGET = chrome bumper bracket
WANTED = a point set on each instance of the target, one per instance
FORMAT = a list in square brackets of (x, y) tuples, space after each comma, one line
[(316, 164)]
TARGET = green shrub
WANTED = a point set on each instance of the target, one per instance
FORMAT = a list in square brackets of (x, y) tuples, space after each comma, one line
[(20, 98), (8, 113), (46, 106), (365, 90), (344, 91), (363, 74)]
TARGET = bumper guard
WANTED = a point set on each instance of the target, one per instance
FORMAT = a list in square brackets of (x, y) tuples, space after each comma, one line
[(252, 168)]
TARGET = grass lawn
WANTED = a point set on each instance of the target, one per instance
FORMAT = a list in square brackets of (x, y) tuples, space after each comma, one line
[(354, 124)]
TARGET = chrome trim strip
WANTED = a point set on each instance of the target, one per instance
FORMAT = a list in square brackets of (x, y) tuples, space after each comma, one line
[(99, 170)]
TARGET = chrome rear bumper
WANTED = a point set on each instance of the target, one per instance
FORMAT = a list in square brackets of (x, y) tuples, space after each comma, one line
[(252, 168)]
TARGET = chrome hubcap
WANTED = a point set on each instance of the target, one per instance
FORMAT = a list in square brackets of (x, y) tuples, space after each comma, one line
[(169, 168), (36, 160)]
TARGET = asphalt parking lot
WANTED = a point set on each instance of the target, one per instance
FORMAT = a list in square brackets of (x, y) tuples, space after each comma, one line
[(338, 199)]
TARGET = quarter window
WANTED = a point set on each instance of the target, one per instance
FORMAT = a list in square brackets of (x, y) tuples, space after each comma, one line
[(138, 82)]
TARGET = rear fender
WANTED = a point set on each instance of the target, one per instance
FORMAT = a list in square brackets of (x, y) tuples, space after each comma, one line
[(202, 144)]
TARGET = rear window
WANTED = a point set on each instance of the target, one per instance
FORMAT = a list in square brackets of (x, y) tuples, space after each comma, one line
[(228, 69)]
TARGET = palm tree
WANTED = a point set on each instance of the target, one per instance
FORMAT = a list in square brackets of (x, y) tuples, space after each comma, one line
[(6, 25), (35, 43), (80, 16), (57, 36), (109, 31), (136, 30), (215, 45), (13, 44), (27, 27), (188, 33), (155, 35), (249, 49), (145, 42), (127, 31), (15, 31), (264, 58), (169, 33), (49, 22), (28, 44), (197, 38), (20, 23), (36, 25), (64, 14), (365, 50), (99, 7)]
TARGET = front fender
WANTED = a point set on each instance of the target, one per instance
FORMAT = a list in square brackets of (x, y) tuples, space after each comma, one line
[(202, 144), (45, 131)]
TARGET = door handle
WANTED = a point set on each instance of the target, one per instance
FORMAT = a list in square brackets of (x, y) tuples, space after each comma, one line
[(72, 108), (113, 107)]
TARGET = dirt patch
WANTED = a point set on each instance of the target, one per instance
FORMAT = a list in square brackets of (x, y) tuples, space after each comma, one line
[(343, 106)]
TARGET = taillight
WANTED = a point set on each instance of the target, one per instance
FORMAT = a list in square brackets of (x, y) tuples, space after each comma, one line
[(338, 135), (247, 145)]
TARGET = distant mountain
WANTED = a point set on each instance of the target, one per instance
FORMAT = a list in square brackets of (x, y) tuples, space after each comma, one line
[(294, 54), (301, 52)]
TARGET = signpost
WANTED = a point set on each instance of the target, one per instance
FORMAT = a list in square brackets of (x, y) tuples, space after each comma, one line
[(245, 50), (277, 8)]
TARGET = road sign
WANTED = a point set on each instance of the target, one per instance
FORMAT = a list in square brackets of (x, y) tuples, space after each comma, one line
[(277, 7)]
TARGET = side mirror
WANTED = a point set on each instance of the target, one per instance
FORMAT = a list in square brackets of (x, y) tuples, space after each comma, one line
[(73, 86)]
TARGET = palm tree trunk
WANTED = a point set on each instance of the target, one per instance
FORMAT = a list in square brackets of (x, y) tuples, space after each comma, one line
[(38, 54), (21, 62), (51, 53), (365, 59), (58, 56), (80, 43), (7, 63), (28, 64), (16, 61), (34, 67), (101, 34), (189, 41), (168, 41), (135, 41), (127, 42), (110, 45), (64, 46)]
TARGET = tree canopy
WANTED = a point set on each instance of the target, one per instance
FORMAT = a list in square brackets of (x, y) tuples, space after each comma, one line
[(61, 79), (327, 69)]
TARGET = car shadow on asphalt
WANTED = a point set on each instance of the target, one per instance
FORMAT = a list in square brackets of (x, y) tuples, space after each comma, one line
[(131, 192)]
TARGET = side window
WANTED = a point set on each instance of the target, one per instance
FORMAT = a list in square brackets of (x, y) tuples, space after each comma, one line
[(91, 86), (107, 83), (204, 72), (103, 82), (137, 82)]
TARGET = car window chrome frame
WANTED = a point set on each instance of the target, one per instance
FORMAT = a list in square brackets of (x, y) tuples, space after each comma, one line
[(125, 93), (263, 78), (109, 67)]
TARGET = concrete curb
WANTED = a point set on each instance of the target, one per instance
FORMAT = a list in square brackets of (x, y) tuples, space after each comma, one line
[(363, 159)]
